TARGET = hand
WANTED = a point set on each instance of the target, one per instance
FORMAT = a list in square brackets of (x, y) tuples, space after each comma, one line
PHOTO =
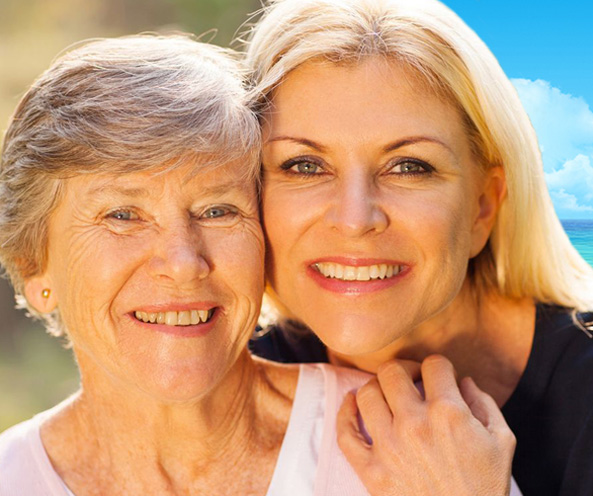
[(453, 442)]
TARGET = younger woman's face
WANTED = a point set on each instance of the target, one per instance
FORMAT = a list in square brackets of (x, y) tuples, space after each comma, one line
[(373, 202)]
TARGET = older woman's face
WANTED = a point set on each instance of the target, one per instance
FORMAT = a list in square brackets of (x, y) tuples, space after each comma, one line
[(158, 276), (372, 202)]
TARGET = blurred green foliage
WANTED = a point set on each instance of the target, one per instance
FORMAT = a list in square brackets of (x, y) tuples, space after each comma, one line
[(36, 372)]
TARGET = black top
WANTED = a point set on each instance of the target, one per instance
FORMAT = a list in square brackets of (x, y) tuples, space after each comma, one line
[(550, 411)]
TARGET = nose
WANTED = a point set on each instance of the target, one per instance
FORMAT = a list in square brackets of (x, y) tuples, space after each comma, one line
[(179, 256), (355, 209)]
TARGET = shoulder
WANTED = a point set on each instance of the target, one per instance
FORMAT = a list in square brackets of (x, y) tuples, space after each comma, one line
[(560, 364), (15, 442), (551, 411), (17, 457), (24, 465), (336, 382), (562, 343), (335, 476)]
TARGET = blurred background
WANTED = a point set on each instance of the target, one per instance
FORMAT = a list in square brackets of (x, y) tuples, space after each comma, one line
[(36, 371)]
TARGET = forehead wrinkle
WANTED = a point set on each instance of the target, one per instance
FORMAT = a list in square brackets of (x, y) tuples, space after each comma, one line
[(222, 188)]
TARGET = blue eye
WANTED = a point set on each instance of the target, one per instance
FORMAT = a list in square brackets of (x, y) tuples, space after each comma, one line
[(218, 211), (122, 214)]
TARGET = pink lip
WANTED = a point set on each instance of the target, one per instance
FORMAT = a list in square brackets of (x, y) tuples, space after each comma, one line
[(190, 331), (354, 288)]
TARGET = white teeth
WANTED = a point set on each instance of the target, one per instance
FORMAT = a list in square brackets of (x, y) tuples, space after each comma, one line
[(183, 318), (171, 318), (351, 273), (363, 274)]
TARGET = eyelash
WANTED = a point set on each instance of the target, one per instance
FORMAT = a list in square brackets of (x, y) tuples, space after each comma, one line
[(289, 164), (427, 168), (112, 214), (230, 210)]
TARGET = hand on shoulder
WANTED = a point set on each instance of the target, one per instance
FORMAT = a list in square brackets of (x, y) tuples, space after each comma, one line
[(452, 441)]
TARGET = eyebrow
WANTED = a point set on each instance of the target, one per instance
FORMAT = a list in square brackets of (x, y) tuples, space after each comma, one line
[(302, 141), (412, 140), (119, 190), (215, 189)]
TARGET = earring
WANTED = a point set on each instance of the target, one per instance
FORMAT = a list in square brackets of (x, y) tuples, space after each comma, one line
[(45, 293)]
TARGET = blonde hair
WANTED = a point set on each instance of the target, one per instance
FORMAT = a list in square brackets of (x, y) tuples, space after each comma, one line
[(528, 253), (116, 106)]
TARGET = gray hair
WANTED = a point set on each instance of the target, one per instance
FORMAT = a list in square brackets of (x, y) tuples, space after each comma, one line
[(119, 105)]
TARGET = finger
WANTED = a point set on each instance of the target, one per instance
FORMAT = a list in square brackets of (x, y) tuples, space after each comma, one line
[(374, 410), (350, 438), (482, 406), (396, 378), (439, 381)]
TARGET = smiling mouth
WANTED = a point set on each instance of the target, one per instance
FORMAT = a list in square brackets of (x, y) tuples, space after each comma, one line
[(332, 270), (184, 318)]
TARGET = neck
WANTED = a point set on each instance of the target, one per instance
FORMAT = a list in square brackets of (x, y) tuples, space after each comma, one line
[(483, 334), (170, 446)]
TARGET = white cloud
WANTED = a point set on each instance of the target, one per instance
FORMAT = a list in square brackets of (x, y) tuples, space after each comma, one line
[(564, 125), (567, 206), (575, 176)]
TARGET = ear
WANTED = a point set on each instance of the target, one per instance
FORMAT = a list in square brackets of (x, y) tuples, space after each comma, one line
[(40, 295), (492, 192)]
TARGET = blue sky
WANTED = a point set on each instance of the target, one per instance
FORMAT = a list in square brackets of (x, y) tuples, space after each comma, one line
[(546, 48)]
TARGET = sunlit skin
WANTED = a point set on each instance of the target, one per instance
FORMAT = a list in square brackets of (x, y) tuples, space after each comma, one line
[(365, 165), (176, 401), (140, 242)]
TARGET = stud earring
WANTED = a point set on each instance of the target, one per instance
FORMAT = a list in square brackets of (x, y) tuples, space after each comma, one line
[(45, 293)]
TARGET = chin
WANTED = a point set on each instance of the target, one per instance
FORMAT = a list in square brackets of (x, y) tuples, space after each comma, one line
[(358, 336), (184, 383)]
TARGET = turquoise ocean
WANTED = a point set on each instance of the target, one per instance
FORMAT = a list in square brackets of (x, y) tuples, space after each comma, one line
[(580, 233)]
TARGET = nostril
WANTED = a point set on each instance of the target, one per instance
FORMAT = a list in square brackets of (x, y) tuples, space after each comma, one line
[(358, 218)]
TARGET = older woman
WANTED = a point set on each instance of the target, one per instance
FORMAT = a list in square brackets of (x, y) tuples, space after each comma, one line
[(406, 214), (129, 221)]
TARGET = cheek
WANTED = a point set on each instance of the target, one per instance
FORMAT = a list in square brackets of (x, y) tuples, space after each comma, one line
[(440, 223), (92, 268), (241, 255), (288, 216)]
